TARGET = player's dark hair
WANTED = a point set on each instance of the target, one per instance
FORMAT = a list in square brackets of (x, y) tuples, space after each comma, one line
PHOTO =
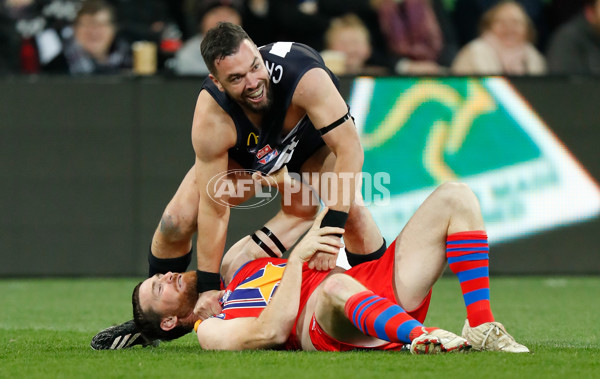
[(148, 322), (221, 41)]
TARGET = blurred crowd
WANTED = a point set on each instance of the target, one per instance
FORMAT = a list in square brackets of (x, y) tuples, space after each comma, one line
[(355, 37)]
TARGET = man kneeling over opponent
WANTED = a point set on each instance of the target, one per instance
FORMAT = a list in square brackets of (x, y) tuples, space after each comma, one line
[(379, 305)]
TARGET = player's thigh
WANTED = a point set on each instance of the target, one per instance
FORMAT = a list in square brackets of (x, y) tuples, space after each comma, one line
[(333, 294), (420, 255)]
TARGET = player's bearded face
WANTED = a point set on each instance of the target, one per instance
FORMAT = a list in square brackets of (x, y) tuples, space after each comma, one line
[(189, 295), (259, 98), (244, 77)]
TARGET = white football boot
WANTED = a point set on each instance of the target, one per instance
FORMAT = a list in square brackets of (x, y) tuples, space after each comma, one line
[(438, 341), (492, 336)]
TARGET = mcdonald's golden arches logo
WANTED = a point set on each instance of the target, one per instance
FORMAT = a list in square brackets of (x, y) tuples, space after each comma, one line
[(250, 136)]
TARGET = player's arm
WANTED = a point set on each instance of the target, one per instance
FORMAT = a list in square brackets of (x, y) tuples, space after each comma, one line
[(275, 323), (213, 133), (287, 229), (292, 220), (318, 96)]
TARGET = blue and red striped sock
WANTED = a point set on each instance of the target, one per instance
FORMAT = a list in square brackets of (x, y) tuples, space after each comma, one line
[(467, 254), (378, 317)]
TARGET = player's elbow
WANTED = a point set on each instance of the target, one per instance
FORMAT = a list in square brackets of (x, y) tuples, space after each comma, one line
[(350, 153), (275, 335), (280, 336)]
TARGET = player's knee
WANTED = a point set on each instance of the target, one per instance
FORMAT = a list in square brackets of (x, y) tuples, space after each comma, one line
[(338, 288), (175, 227), (357, 214), (458, 196), (299, 209)]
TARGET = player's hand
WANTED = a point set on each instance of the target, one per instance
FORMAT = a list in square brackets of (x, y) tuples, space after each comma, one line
[(208, 304), (280, 178), (322, 261), (320, 240)]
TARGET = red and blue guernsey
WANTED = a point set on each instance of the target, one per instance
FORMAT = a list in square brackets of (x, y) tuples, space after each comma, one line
[(255, 283), (251, 289)]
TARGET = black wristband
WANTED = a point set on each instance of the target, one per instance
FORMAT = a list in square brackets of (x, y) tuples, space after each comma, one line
[(164, 265), (206, 281), (356, 259), (335, 218)]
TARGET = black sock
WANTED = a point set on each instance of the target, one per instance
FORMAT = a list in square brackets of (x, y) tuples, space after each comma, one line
[(164, 265), (206, 281), (356, 259)]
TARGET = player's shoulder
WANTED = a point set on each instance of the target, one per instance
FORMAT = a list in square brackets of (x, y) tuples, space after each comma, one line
[(289, 52), (314, 86), (212, 128), (209, 111)]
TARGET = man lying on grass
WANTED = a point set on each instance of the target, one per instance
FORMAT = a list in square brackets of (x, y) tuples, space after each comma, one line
[(379, 305)]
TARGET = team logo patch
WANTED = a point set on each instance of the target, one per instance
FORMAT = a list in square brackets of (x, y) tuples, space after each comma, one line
[(272, 155), (264, 151)]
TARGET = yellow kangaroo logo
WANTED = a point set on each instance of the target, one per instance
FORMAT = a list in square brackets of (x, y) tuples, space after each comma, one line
[(443, 137)]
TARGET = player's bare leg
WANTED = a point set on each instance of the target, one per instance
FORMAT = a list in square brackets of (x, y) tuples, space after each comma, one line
[(421, 246), (173, 236), (421, 256), (348, 312)]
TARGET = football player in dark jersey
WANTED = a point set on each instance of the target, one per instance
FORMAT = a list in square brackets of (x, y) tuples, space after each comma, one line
[(284, 93), (283, 96)]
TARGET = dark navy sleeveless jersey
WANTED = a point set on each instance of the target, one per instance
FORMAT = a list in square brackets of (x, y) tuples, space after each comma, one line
[(266, 149)]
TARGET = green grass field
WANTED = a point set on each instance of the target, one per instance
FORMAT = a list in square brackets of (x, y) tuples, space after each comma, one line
[(46, 327)]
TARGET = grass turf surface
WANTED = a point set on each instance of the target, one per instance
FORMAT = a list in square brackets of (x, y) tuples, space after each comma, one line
[(47, 324)]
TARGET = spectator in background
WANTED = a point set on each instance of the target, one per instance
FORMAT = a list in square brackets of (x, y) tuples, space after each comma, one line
[(467, 14), (94, 48), (575, 47), (504, 47), (188, 59), (367, 12), (419, 33), (349, 36)]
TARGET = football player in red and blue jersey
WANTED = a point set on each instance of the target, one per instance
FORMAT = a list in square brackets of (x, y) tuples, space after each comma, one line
[(381, 305)]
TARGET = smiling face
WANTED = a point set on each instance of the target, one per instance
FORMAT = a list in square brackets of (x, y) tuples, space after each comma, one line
[(171, 294), (244, 77)]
